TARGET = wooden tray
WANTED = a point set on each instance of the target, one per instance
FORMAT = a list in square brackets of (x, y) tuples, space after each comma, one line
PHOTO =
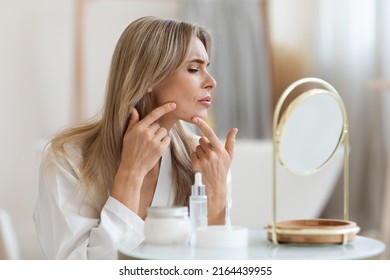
[(318, 231)]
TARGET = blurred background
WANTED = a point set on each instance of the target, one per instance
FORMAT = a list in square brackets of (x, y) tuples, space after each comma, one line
[(55, 56)]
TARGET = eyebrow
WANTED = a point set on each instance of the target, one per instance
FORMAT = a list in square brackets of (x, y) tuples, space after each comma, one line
[(200, 61)]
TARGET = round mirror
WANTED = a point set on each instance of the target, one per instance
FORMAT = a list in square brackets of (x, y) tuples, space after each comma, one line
[(309, 131), (306, 135)]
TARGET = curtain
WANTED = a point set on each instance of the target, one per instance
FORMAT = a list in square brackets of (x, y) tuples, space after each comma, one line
[(351, 44), (240, 64)]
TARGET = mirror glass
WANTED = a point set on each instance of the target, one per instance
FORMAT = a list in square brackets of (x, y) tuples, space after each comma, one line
[(310, 131)]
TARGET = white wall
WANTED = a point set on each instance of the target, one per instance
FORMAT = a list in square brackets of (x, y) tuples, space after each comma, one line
[(104, 23), (36, 84)]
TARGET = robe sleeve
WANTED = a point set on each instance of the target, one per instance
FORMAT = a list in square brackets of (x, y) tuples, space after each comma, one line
[(69, 227)]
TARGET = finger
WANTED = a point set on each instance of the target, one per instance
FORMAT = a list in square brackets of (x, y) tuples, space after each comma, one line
[(204, 143), (207, 131), (165, 142), (199, 152), (158, 113), (194, 161), (161, 133), (154, 127), (134, 117), (194, 157), (163, 145), (230, 139)]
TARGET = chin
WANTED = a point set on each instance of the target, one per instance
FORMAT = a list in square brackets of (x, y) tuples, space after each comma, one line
[(188, 118), (202, 114)]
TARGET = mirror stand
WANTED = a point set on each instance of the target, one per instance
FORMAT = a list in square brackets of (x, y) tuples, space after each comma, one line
[(291, 143)]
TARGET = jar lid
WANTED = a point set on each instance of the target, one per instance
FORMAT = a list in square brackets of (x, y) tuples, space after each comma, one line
[(165, 211)]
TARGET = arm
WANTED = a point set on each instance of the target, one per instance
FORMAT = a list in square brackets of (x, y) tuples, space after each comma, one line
[(67, 225)]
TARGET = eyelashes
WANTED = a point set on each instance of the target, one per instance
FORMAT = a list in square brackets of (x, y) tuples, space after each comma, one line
[(193, 70)]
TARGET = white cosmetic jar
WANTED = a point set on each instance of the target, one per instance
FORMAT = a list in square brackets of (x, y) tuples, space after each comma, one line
[(167, 225)]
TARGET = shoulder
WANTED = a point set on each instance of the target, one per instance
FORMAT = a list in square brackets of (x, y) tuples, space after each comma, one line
[(60, 186), (66, 160), (60, 180)]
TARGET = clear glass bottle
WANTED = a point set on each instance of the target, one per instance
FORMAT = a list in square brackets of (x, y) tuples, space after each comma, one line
[(167, 225), (198, 204)]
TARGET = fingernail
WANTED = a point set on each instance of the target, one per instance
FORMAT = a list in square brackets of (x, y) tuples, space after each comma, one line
[(195, 120), (235, 134), (172, 106)]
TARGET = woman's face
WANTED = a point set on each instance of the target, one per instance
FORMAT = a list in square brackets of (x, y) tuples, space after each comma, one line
[(189, 87)]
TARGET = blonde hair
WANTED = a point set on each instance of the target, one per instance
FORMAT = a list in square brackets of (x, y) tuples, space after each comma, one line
[(148, 51)]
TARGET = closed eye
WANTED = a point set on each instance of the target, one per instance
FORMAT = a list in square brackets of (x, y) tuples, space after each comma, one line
[(194, 65), (193, 70)]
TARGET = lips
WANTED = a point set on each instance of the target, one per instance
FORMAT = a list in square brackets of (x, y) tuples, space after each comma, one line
[(207, 98), (206, 101)]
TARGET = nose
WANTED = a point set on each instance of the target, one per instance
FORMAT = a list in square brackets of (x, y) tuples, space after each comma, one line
[(209, 82)]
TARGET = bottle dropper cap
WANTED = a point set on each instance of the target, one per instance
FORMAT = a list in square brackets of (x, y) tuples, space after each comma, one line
[(198, 189)]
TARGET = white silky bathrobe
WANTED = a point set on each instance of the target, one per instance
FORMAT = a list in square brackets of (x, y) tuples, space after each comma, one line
[(67, 225)]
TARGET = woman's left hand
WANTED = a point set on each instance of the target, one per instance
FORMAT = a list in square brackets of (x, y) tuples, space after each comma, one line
[(213, 160)]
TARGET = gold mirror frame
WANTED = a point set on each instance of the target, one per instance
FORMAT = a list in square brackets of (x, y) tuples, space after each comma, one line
[(302, 228)]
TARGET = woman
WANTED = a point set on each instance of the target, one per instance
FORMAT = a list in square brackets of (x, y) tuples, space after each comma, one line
[(98, 179)]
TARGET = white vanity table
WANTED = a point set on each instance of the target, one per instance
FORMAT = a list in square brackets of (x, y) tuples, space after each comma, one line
[(259, 248)]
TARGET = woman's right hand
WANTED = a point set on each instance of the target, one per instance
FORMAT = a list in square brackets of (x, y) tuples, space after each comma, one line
[(144, 143)]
